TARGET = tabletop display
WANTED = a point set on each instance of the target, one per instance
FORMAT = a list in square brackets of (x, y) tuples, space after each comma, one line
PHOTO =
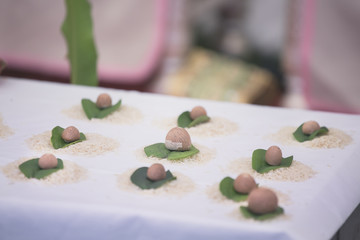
[(86, 162)]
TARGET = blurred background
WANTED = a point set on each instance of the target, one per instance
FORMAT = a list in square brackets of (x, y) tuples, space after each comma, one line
[(300, 54)]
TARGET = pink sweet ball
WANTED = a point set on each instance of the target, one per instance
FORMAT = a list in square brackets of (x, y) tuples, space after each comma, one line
[(48, 161), (70, 134), (156, 172), (197, 112), (178, 139), (244, 183), (273, 156), (103, 100), (309, 127), (262, 200)]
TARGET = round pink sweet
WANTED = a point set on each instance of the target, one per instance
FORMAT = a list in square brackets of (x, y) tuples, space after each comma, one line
[(197, 112), (156, 172), (309, 127), (48, 161), (273, 156), (70, 134), (103, 100), (244, 183), (262, 200)]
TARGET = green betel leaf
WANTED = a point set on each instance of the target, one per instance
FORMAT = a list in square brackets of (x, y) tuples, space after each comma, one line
[(261, 217), (140, 179), (184, 120), (31, 169), (261, 166), (93, 111), (177, 155), (58, 142), (301, 137), (107, 111), (199, 120), (77, 29), (90, 108), (227, 189), (159, 150)]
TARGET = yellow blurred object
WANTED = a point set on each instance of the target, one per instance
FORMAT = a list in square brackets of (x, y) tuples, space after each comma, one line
[(209, 75)]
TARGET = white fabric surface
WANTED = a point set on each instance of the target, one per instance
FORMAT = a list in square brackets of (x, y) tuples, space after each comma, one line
[(97, 208)]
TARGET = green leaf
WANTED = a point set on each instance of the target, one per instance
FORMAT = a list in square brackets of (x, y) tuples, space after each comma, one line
[(107, 111), (261, 166), (77, 29), (227, 189), (93, 111), (199, 120), (301, 137), (177, 155), (159, 150), (184, 120), (140, 179), (261, 217), (58, 142), (90, 108), (31, 169)]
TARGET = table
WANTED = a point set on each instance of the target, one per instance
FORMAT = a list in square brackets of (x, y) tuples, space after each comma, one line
[(98, 206)]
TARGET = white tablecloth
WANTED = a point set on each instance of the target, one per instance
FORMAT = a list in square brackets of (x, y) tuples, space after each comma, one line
[(96, 208)]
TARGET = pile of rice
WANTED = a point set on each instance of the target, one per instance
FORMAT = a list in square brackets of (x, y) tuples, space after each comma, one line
[(181, 185), (95, 144), (297, 172), (213, 192), (215, 127), (205, 154), (5, 131), (335, 138), (70, 174), (123, 115)]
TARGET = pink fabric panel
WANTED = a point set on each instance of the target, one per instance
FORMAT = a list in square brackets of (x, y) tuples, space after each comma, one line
[(305, 44), (137, 75), (322, 90), (110, 74)]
